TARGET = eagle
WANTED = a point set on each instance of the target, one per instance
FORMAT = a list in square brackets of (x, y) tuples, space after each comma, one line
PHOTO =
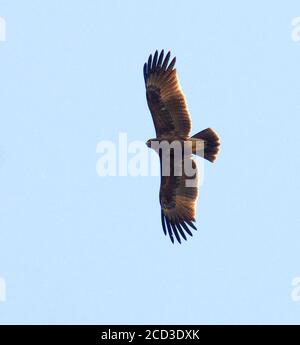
[(178, 191)]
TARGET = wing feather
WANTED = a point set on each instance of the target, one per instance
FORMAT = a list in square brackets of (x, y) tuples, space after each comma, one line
[(178, 199), (160, 59), (165, 98)]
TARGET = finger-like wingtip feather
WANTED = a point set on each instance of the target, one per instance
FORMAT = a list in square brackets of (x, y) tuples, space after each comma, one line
[(181, 231), (175, 232), (191, 224), (149, 63), (163, 222), (145, 72), (169, 230), (186, 228), (160, 59), (154, 60), (172, 64), (165, 63)]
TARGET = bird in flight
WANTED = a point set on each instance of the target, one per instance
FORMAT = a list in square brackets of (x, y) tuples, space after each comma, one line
[(172, 122)]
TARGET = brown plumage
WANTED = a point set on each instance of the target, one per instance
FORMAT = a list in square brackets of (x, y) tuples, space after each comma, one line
[(172, 122)]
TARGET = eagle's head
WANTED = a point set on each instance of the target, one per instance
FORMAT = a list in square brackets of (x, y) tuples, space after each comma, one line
[(148, 142)]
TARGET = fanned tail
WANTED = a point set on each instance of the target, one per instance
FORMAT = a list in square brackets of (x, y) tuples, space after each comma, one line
[(211, 142)]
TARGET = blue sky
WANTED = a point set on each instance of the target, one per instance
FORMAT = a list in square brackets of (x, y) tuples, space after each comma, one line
[(79, 248)]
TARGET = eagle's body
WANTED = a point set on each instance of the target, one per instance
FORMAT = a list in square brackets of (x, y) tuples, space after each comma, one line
[(178, 192)]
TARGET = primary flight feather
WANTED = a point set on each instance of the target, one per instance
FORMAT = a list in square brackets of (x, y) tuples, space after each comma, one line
[(172, 122)]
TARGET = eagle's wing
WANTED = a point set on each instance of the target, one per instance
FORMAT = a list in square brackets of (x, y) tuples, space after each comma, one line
[(165, 99), (178, 195)]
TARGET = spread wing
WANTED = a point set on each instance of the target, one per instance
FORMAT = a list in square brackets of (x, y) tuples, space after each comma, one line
[(178, 195), (165, 99)]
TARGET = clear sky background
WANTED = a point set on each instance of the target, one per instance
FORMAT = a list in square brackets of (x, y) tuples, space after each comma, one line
[(78, 248)]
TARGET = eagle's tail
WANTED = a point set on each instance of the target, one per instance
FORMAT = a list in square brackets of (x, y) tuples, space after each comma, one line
[(211, 143)]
